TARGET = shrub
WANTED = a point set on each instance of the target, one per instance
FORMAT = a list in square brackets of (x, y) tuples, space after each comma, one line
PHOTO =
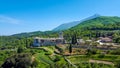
[(101, 56), (18, 61), (20, 49), (57, 58), (116, 52), (48, 53)]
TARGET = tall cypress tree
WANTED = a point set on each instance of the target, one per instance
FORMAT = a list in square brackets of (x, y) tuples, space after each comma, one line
[(74, 39), (70, 48)]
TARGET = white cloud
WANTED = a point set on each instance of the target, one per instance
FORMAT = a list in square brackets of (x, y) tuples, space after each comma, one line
[(6, 19)]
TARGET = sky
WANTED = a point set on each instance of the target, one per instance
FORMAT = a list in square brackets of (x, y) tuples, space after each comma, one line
[(17, 16)]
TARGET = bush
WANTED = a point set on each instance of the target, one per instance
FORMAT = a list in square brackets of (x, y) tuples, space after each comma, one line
[(18, 61), (48, 53), (32, 52), (57, 58), (101, 56), (118, 64), (20, 49), (90, 52), (116, 52)]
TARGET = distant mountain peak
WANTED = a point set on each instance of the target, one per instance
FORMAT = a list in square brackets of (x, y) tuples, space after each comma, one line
[(66, 26), (93, 16), (96, 15)]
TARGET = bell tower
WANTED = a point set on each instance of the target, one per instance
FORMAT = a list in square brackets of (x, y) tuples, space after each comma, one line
[(60, 34)]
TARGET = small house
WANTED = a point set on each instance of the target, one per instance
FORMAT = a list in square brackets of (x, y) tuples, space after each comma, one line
[(105, 40)]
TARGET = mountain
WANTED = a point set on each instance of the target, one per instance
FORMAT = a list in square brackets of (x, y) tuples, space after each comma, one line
[(28, 34), (94, 28), (66, 26), (95, 22), (99, 22), (55, 30)]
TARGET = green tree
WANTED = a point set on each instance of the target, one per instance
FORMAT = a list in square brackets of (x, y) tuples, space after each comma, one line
[(117, 39), (118, 64), (20, 49), (74, 39), (18, 61), (70, 48)]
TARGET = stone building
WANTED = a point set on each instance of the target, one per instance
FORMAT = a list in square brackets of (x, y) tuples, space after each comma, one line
[(48, 41)]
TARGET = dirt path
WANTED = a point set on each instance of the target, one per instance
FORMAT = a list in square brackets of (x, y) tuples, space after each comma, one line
[(33, 58), (99, 61)]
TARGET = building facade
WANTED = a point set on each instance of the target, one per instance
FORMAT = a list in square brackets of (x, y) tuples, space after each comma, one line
[(48, 41)]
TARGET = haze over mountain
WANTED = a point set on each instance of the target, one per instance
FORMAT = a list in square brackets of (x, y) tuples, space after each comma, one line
[(66, 26)]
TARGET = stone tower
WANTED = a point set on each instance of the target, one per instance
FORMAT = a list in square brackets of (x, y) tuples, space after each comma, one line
[(60, 34)]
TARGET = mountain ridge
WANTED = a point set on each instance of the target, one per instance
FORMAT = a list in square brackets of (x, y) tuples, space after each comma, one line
[(96, 22), (66, 26)]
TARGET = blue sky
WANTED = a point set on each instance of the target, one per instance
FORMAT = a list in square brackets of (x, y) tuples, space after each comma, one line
[(18, 16)]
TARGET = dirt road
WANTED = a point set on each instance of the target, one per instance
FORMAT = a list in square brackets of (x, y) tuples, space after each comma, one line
[(99, 61)]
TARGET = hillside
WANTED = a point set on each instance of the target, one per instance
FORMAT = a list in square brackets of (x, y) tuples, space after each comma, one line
[(98, 27), (95, 22), (52, 56), (36, 33), (99, 22), (66, 26)]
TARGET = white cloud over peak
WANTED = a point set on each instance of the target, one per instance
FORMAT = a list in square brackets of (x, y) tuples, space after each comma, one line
[(6, 19)]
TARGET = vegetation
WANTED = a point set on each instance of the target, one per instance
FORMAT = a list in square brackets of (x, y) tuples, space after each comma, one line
[(70, 48), (18, 61), (16, 51)]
